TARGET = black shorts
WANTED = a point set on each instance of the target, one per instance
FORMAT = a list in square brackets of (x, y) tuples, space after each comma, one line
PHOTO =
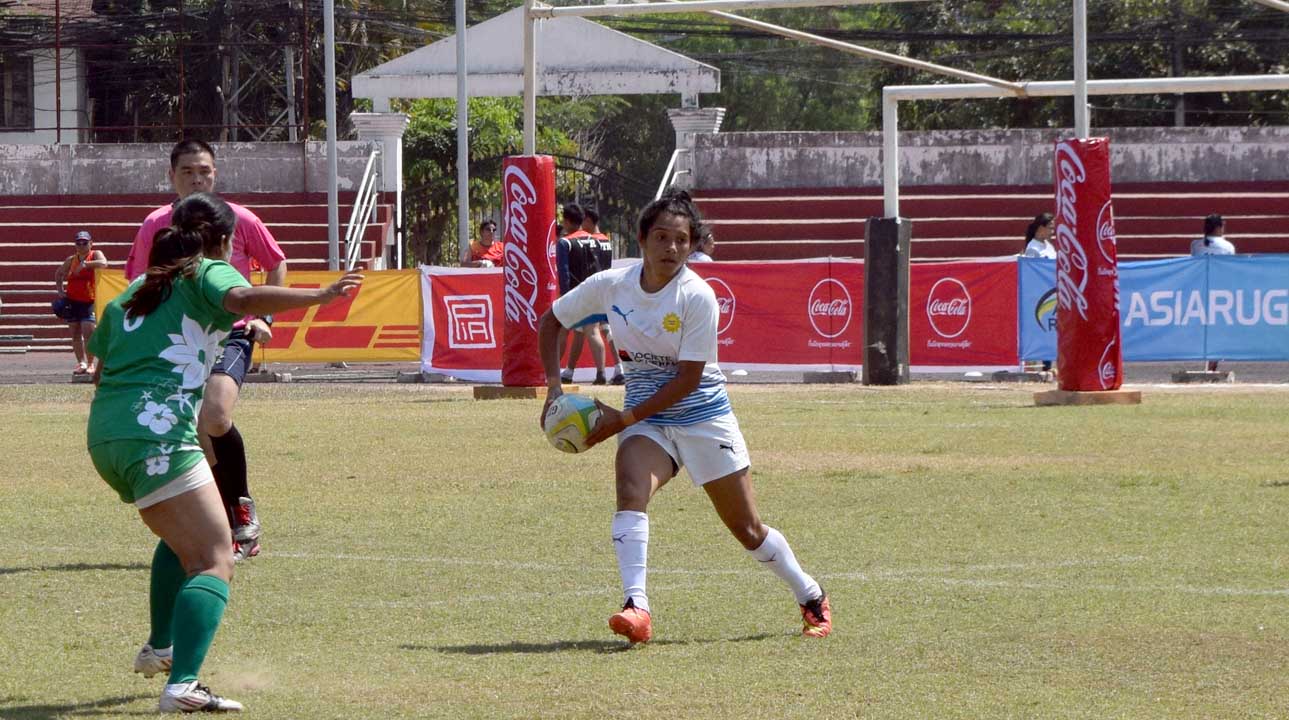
[(235, 360), (74, 311)]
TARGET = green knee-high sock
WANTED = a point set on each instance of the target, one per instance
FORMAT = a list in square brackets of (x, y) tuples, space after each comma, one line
[(167, 577), (198, 610)]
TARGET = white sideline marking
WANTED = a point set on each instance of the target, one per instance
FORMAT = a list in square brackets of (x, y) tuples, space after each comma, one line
[(941, 575)]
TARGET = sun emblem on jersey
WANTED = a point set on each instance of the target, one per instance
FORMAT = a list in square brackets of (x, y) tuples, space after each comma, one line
[(671, 322)]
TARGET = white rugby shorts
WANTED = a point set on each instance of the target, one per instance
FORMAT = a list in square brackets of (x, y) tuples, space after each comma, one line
[(708, 450)]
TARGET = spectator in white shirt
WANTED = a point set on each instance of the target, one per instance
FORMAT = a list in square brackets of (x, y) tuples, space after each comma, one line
[(1038, 238), (1213, 242)]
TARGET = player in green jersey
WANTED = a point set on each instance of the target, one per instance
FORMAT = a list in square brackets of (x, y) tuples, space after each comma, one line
[(157, 342)]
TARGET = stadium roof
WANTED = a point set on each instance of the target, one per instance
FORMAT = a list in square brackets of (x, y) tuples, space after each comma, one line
[(576, 57)]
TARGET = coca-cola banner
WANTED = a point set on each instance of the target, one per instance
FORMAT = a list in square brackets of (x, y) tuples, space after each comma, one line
[(528, 230), (963, 314), (1089, 350), (797, 315)]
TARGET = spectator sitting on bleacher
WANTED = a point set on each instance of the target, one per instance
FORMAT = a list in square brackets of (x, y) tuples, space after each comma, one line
[(702, 252), (74, 281), (1213, 242), (486, 251), (1038, 238)]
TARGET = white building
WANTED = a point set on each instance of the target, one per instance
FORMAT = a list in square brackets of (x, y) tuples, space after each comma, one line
[(30, 102)]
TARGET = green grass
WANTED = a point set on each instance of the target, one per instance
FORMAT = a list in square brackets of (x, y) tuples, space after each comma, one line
[(430, 556)]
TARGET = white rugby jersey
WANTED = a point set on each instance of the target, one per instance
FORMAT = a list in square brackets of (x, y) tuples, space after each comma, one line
[(652, 333)]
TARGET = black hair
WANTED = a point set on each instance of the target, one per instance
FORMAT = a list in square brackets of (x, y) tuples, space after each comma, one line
[(591, 215), (1040, 220), (189, 146), (573, 213), (1212, 223), (488, 223), (200, 226), (675, 202)]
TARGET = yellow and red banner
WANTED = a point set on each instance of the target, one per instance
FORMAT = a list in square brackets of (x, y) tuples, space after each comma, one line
[(381, 322)]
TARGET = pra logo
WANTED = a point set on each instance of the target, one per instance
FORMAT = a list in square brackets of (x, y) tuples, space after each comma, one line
[(828, 308), (1045, 311), (726, 301), (469, 321), (948, 307), (327, 327)]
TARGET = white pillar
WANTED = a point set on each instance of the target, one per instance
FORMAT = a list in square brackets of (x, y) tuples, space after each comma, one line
[(689, 123), (387, 129)]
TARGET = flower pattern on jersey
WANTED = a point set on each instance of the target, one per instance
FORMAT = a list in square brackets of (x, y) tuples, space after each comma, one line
[(671, 322), (160, 464), (193, 353), (157, 417)]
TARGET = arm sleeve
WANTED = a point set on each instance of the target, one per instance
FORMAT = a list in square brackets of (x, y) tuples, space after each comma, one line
[(260, 243), (583, 304), (137, 261), (698, 328), (216, 281), (561, 263)]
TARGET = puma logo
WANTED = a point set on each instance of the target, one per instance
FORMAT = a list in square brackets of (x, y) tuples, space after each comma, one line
[(624, 315), (726, 447), (620, 538)]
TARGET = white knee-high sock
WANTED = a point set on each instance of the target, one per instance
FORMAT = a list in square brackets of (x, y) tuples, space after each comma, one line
[(631, 543), (775, 554)]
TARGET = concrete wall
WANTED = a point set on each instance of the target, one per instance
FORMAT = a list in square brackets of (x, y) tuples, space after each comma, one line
[(985, 157), (45, 95), (129, 168)]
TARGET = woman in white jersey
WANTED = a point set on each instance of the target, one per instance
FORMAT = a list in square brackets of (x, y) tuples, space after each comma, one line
[(663, 317)]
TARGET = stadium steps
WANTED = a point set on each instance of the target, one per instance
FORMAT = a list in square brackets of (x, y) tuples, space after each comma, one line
[(36, 235), (1152, 220)]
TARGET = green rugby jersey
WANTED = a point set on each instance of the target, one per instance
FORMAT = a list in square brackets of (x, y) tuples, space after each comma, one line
[(155, 366)]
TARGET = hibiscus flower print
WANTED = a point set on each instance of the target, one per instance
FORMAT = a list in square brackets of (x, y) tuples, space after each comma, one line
[(193, 353), (157, 417), (160, 464)]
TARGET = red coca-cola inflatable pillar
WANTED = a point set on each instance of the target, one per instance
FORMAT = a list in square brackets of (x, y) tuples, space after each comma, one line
[(528, 194), (1089, 353)]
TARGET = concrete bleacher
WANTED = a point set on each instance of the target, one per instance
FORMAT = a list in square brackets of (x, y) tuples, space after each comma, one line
[(1152, 220), (36, 233)]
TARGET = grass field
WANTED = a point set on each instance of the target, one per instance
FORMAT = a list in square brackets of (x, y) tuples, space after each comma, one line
[(428, 555)]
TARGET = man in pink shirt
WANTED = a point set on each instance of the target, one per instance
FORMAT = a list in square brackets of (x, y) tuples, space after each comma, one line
[(192, 169)]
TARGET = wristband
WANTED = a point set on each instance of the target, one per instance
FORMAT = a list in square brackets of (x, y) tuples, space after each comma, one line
[(629, 417)]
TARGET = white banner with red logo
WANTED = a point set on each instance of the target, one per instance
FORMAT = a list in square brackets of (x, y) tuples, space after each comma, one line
[(797, 316)]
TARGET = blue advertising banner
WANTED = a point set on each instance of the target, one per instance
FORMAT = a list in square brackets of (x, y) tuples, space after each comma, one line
[(1211, 307), (1246, 308)]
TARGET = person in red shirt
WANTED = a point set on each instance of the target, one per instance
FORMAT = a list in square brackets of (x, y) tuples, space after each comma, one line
[(75, 303), (486, 251)]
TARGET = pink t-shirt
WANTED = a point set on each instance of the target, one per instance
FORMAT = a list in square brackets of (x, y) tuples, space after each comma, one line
[(250, 240)]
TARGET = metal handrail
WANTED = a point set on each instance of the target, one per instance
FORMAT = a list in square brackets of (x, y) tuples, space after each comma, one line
[(361, 214), (670, 173)]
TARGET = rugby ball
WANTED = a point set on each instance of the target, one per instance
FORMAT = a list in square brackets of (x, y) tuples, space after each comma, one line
[(569, 420)]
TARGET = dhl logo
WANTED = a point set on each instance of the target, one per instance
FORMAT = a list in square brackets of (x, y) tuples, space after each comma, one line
[(327, 328)]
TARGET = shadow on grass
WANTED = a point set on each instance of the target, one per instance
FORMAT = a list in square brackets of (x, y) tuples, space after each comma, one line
[(73, 567), (598, 646), (1275, 484), (107, 706)]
